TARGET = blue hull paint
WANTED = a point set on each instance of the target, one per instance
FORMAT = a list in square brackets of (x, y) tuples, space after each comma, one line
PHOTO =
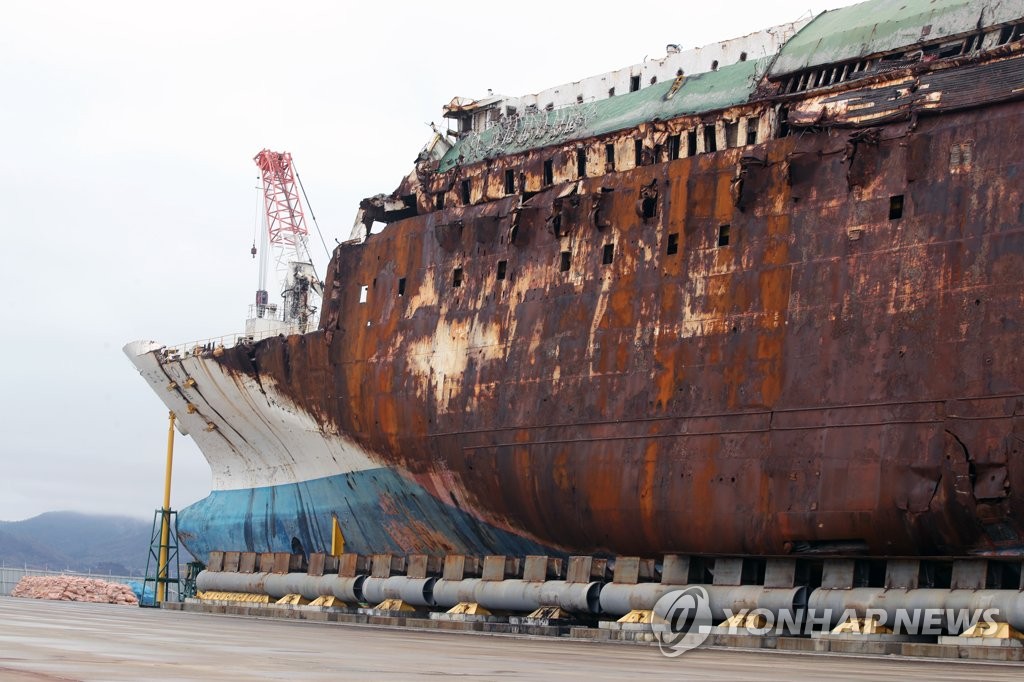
[(379, 512)]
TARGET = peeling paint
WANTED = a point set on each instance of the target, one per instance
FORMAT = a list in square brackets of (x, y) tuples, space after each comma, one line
[(803, 337)]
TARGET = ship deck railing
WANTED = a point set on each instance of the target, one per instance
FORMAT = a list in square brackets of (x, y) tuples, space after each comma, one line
[(211, 344)]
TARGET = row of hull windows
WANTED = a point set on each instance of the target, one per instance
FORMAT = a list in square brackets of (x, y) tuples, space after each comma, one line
[(809, 79), (724, 238), (564, 262), (672, 150)]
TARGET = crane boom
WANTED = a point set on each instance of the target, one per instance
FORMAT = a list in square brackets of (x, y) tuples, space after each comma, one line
[(286, 221), (285, 239)]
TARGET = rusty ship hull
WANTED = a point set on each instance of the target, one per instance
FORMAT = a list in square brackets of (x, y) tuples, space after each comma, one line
[(802, 336)]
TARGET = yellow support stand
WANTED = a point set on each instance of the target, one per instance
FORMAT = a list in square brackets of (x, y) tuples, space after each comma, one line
[(163, 543), (745, 621), (469, 609), (992, 630), (337, 538), (861, 626), (328, 602), (637, 616), (549, 613), (394, 605), (165, 527), (233, 596)]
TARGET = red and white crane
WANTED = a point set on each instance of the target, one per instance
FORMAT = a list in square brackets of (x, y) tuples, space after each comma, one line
[(284, 239)]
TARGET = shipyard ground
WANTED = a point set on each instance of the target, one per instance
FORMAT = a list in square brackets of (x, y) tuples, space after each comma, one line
[(42, 640)]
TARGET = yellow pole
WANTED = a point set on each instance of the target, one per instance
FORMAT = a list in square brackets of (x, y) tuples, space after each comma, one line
[(165, 524)]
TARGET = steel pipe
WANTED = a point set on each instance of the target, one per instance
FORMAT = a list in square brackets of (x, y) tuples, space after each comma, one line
[(414, 591), (1004, 606), (277, 585), (576, 597), (448, 593), (618, 600), (519, 595)]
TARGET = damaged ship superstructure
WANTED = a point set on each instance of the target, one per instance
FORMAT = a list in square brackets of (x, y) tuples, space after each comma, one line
[(763, 302)]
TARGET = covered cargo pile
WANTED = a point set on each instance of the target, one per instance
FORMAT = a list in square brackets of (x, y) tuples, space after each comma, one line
[(71, 588)]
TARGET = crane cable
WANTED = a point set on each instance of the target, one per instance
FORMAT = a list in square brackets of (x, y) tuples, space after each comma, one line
[(311, 214), (256, 222)]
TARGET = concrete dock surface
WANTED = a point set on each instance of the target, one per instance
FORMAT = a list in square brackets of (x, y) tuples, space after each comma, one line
[(43, 640)]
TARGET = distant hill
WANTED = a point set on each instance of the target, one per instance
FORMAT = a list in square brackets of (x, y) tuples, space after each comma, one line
[(115, 545)]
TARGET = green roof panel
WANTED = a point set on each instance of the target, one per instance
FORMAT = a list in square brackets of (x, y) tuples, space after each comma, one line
[(880, 26), (702, 92)]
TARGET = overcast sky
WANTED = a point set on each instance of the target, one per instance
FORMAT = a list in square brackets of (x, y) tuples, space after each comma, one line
[(127, 186)]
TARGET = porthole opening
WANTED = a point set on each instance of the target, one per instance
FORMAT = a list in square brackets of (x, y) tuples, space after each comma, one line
[(673, 244), (896, 207), (723, 235)]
